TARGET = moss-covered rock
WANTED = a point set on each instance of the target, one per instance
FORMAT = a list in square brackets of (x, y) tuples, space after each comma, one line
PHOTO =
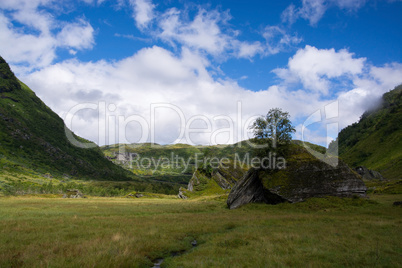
[(73, 193), (368, 174), (304, 176), (207, 180), (247, 190)]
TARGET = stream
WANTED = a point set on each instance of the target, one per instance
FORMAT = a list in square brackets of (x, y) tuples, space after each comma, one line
[(158, 262)]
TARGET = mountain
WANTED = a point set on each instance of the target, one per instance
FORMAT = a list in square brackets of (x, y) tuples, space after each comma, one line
[(173, 163), (33, 138), (376, 140), (149, 161)]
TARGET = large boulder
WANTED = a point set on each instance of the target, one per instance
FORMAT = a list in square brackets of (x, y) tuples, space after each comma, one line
[(223, 177), (181, 194), (73, 193), (368, 174), (303, 177), (247, 190)]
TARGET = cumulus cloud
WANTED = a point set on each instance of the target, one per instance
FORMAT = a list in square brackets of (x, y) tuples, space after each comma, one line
[(354, 84), (249, 50), (14, 46), (388, 75), (143, 12), (315, 67), (41, 31), (78, 35), (209, 31), (162, 96), (177, 87), (204, 32)]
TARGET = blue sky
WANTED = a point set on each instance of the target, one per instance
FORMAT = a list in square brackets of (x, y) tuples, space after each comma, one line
[(199, 71)]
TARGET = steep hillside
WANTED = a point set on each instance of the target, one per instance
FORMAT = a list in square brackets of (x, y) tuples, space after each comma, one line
[(33, 139), (376, 140)]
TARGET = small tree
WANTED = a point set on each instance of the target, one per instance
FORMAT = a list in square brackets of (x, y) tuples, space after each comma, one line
[(274, 130)]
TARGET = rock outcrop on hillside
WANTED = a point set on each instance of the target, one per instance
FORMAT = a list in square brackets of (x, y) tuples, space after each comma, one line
[(181, 194), (225, 176), (207, 180), (368, 174), (249, 189), (73, 193), (304, 177)]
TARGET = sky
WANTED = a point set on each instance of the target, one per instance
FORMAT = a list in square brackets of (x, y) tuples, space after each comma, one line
[(200, 72)]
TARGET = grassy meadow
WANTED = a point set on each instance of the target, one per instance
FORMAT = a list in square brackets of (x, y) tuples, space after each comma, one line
[(48, 231)]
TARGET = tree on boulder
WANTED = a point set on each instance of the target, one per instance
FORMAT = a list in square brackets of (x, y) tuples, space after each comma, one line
[(272, 133)]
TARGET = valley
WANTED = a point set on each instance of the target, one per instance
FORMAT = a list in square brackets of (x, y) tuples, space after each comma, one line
[(38, 231)]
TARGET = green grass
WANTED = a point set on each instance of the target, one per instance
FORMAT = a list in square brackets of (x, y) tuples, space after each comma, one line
[(384, 187), (12, 183), (122, 232)]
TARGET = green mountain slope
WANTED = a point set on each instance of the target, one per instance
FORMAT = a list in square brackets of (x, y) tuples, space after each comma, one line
[(177, 163), (376, 140), (33, 139)]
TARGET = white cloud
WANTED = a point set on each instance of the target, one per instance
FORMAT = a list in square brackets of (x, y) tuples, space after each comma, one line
[(389, 75), (278, 39), (143, 12), (41, 31), (249, 50), (202, 33), (289, 14), (24, 4), (151, 76), (78, 35), (355, 84), (40, 51), (209, 31), (315, 136), (155, 76), (368, 90), (314, 10), (350, 4), (315, 67)]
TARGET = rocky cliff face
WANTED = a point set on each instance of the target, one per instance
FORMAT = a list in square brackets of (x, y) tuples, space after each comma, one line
[(220, 180), (304, 177), (249, 189)]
